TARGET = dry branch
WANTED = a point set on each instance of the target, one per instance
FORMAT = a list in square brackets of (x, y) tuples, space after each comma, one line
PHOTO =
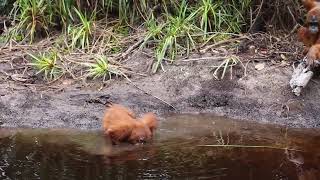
[(301, 76)]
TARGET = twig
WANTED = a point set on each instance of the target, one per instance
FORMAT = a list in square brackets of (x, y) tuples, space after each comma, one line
[(5, 73), (245, 146), (130, 49), (202, 58), (293, 30), (222, 42), (148, 93), (257, 16)]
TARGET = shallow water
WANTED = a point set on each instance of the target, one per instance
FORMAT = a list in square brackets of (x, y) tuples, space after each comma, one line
[(175, 153)]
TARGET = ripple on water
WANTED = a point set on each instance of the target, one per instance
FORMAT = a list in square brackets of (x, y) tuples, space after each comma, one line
[(242, 150)]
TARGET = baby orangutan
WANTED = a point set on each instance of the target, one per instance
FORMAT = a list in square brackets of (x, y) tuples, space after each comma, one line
[(313, 55), (309, 34), (309, 4), (121, 125)]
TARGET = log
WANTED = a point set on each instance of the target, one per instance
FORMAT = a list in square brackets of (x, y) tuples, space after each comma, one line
[(301, 76)]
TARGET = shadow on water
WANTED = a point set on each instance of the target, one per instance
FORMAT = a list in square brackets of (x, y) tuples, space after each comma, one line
[(175, 153)]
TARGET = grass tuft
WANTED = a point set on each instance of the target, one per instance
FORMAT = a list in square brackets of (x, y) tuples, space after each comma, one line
[(47, 64), (226, 64), (103, 69), (170, 28), (35, 17), (80, 34)]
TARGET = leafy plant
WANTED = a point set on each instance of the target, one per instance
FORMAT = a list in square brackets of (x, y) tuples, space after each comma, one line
[(172, 27), (103, 69), (154, 30), (35, 17), (219, 16), (63, 11), (80, 35), (47, 64), (177, 35)]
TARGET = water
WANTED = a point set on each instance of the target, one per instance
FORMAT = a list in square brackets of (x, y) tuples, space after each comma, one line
[(175, 153)]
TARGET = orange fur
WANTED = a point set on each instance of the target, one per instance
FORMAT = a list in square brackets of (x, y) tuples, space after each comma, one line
[(309, 35), (120, 125), (314, 12), (309, 4), (150, 120), (313, 55), (121, 108), (307, 38)]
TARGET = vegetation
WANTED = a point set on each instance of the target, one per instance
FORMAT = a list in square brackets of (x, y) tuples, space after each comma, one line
[(102, 68), (170, 28), (47, 64)]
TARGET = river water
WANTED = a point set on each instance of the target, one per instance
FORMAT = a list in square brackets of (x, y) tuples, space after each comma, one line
[(185, 147)]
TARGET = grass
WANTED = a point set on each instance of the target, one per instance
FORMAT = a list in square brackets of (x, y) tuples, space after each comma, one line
[(216, 17), (34, 17), (80, 34), (103, 69), (176, 36), (226, 64), (169, 28), (46, 63)]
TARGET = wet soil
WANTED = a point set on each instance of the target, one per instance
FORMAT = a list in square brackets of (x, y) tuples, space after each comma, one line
[(263, 96), (179, 150)]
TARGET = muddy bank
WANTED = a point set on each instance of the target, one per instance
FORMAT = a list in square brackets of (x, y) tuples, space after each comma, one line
[(262, 96)]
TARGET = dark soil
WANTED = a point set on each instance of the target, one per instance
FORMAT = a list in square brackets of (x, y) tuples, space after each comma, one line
[(262, 96)]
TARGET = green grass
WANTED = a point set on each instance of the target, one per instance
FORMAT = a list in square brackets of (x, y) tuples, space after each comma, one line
[(44, 15), (103, 69), (177, 36), (170, 28), (214, 17), (35, 16), (80, 35), (63, 9), (46, 64)]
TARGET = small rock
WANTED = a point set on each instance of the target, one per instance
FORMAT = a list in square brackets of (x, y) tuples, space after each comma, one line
[(67, 82), (283, 57), (259, 66)]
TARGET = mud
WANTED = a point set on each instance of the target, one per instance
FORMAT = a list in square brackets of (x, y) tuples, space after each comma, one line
[(262, 96)]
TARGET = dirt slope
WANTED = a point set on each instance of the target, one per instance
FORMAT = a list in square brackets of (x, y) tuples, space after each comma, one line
[(262, 96)]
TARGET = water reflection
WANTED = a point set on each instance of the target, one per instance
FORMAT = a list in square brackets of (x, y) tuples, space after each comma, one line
[(174, 154)]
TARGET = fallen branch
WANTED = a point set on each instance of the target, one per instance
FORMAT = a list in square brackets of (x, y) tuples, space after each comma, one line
[(207, 48), (125, 54), (301, 76)]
